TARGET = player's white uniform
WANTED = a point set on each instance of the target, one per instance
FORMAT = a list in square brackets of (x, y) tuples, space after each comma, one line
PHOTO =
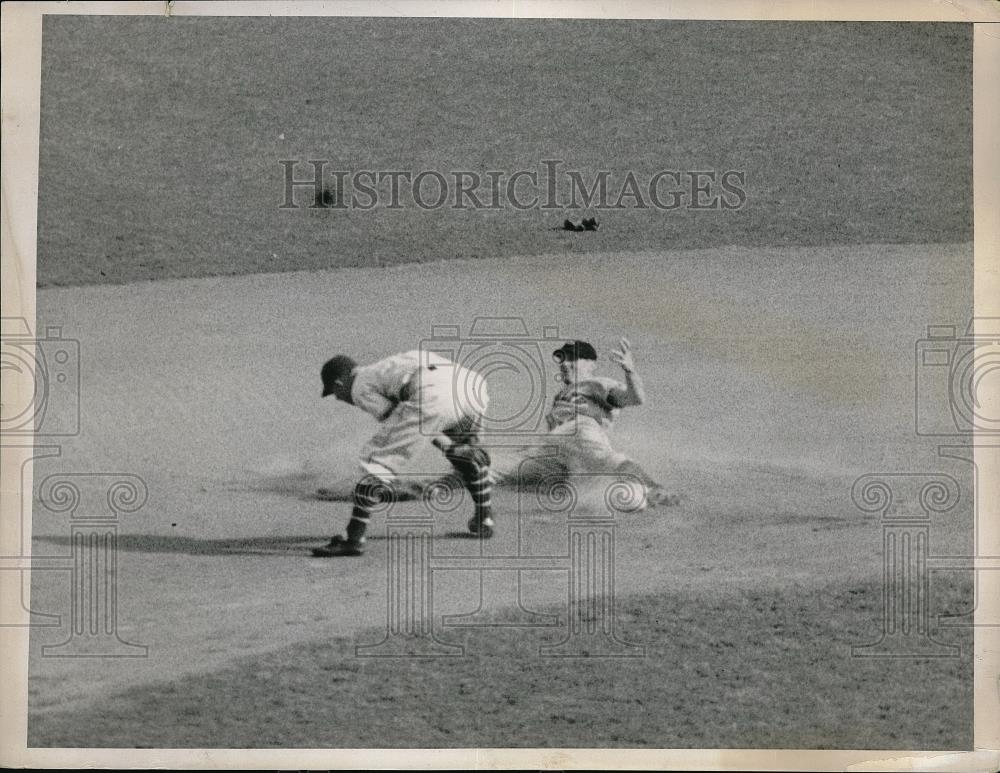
[(581, 415), (416, 396)]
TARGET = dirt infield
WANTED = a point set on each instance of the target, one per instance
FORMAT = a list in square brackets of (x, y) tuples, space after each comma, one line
[(767, 399)]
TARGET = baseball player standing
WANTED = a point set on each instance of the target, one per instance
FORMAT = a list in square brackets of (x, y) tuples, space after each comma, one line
[(414, 397)]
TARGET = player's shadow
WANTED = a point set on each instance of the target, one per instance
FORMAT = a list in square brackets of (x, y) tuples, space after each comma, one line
[(311, 487), (460, 535), (295, 546)]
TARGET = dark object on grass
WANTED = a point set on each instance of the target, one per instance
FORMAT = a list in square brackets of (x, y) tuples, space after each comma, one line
[(326, 199), (588, 224)]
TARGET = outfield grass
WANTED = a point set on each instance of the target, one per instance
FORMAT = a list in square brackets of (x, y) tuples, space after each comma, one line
[(749, 669), (161, 137)]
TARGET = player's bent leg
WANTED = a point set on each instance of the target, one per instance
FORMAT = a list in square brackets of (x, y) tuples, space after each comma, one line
[(368, 494), (472, 463), (589, 448), (399, 438), (585, 446)]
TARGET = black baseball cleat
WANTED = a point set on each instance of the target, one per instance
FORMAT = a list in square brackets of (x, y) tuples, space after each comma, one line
[(339, 546), (482, 527), (590, 225)]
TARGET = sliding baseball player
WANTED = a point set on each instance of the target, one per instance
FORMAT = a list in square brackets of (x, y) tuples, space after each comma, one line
[(584, 410)]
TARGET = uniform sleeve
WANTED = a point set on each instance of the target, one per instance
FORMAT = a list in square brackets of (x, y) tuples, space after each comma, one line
[(380, 387), (368, 398)]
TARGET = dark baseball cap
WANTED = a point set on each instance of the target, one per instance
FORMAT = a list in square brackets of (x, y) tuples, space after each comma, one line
[(575, 350), (336, 368)]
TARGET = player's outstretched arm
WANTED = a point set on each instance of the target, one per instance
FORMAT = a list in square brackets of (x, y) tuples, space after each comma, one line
[(635, 393)]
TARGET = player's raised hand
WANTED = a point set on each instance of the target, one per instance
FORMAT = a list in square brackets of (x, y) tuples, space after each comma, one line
[(622, 356)]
